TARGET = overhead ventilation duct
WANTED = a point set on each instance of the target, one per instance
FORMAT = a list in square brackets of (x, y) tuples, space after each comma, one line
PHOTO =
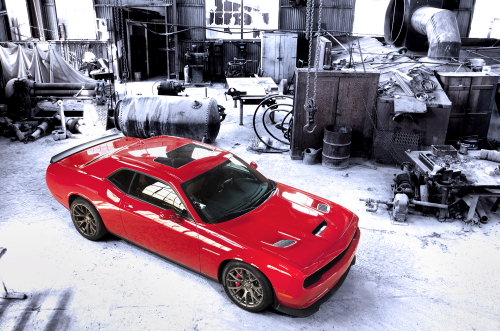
[(422, 25)]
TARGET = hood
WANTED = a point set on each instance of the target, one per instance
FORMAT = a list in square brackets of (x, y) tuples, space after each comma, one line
[(295, 225)]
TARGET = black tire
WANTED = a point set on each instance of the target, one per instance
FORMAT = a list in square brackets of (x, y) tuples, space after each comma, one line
[(246, 286), (87, 220)]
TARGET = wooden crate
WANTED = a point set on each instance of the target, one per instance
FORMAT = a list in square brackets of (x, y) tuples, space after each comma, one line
[(472, 96), (343, 98)]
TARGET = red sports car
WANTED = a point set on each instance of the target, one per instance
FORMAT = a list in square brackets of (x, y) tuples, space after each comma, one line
[(269, 244)]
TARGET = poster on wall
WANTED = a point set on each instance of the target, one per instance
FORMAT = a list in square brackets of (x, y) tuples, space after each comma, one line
[(224, 18)]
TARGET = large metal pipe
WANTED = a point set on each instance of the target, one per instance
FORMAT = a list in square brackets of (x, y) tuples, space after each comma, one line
[(441, 28), (147, 116), (75, 93), (50, 19)]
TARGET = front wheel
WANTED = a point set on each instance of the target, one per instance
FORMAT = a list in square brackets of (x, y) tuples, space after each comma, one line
[(87, 220), (246, 286)]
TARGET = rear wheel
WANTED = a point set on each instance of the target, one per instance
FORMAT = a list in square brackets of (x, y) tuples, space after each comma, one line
[(87, 220), (246, 286)]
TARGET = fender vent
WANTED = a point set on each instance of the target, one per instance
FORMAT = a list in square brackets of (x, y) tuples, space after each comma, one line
[(284, 243), (320, 228), (323, 207)]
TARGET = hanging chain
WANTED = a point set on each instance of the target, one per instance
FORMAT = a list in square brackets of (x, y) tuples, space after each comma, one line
[(309, 34), (125, 73), (310, 104)]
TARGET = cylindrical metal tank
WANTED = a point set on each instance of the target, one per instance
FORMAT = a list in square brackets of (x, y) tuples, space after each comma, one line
[(336, 147), (147, 116)]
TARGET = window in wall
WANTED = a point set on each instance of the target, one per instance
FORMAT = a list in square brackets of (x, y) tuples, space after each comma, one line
[(224, 16)]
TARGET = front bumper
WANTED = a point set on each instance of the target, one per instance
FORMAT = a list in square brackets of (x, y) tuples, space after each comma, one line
[(306, 301), (315, 306)]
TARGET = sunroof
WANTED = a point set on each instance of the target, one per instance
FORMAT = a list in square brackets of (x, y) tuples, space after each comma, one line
[(185, 154)]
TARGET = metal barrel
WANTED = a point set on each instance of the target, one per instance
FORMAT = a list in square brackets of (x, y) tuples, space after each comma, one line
[(187, 117), (336, 147)]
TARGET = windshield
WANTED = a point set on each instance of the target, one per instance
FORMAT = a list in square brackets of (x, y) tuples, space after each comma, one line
[(228, 191)]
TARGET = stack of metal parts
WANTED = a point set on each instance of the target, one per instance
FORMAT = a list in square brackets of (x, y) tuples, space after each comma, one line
[(446, 183)]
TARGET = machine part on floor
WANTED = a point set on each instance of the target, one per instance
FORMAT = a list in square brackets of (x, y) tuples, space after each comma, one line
[(41, 129), (273, 118), (19, 134), (188, 117), (311, 155), (404, 182), (481, 212), (400, 207), (7, 294), (74, 124), (62, 133), (170, 87), (24, 94)]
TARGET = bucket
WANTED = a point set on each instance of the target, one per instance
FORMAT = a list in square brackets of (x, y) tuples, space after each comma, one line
[(311, 156), (470, 143), (336, 147), (137, 76)]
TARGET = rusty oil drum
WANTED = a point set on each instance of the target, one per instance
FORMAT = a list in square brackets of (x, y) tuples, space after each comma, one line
[(336, 147), (187, 117)]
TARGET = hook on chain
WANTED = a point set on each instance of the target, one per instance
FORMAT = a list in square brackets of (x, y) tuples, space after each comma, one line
[(310, 108)]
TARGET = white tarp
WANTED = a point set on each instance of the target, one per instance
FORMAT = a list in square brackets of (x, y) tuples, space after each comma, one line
[(39, 65)]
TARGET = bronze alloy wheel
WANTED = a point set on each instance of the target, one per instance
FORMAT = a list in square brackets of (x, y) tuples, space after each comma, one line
[(87, 220), (247, 286)]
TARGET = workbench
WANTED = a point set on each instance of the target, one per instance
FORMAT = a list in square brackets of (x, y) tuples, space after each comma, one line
[(478, 183), (250, 90)]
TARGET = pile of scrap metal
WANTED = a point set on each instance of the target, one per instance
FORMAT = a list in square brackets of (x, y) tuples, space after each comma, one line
[(444, 182), (34, 109)]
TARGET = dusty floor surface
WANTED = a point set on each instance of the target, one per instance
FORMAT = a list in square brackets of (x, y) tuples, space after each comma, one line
[(424, 276)]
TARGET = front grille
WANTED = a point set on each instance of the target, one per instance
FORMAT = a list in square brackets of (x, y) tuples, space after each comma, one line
[(316, 277)]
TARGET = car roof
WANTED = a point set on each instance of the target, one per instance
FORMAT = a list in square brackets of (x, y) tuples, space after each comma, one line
[(166, 156)]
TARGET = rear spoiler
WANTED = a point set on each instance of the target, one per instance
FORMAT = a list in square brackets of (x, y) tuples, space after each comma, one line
[(84, 146)]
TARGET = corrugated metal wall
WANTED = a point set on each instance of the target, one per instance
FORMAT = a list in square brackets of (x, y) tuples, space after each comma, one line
[(464, 16), (337, 16), (4, 22), (191, 13)]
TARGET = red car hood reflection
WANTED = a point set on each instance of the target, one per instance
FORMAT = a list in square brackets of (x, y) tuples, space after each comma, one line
[(291, 214)]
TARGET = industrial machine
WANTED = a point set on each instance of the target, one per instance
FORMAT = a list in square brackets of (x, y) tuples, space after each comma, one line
[(51, 104), (445, 182), (195, 58)]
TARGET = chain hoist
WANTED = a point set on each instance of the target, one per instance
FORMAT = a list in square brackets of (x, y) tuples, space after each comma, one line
[(125, 72), (310, 103)]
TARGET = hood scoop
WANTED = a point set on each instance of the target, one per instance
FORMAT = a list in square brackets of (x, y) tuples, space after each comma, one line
[(323, 207), (284, 243), (320, 228)]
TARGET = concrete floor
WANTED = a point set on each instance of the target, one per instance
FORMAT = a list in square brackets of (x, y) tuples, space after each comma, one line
[(424, 276)]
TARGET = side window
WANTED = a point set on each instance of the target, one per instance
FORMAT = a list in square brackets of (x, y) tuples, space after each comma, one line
[(122, 179), (155, 192)]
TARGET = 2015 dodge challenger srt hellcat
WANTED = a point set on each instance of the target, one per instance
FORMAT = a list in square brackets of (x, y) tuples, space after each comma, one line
[(267, 243)]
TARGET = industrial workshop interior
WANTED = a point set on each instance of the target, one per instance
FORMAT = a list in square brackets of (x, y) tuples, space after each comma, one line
[(249, 165)]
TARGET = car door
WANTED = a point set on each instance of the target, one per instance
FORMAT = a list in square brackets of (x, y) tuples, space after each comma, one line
[(155, 217)]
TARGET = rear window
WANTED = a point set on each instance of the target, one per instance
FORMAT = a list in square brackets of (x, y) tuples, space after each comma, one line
[(122, 179), (185, 154)]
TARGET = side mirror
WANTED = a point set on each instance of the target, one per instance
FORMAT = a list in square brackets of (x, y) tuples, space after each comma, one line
[(254, 165)]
